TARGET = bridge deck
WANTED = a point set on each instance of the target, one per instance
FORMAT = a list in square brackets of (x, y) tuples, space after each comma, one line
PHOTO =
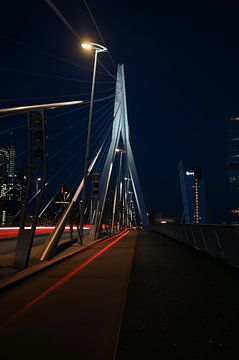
[(180, 304)]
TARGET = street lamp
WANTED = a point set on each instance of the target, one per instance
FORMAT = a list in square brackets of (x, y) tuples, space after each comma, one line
[(118, 187), (97, 49), (37, 186), (120, 150), (93, 46), (127, 200)]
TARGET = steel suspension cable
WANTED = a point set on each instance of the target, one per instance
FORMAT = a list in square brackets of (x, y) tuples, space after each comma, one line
[(107, 135), (71, 142), (72, 30), (2, 68), (71, 174), (82, 145), (46, 53), (68, 112), (76, 124), (98, 30), (12, 129), (56, 96)]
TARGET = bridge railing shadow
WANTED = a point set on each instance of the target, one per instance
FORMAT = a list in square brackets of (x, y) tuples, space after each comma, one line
[(218, 241)]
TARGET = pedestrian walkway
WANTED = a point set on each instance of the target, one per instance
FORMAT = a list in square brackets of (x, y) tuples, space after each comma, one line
[(72, 309), (66, 246), (181, 304)]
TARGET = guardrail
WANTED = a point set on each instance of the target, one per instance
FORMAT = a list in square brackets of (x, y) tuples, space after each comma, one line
[(219, 241)]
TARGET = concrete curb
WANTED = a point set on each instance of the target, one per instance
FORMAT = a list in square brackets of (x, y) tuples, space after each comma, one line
[(23, 275)]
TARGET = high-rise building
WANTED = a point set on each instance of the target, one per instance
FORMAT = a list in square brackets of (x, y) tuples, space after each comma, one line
[(233, 167), (12, 158), (7, 160), (11, 196), (4, 159), (107, 216), (11, 185), (193, 195)]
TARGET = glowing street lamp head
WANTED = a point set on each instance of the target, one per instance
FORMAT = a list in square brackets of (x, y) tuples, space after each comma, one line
[(120, 150), (93, 46), (86, 46)]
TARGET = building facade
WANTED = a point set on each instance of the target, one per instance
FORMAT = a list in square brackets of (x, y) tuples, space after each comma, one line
[(233, 168), (11, 186), (193, 195)]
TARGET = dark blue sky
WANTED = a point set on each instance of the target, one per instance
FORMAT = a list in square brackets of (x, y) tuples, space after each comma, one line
[(181, 61)]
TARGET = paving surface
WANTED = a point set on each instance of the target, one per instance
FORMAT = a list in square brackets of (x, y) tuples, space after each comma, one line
[(180, 304), (7, 251), (72, 309), (154, 297)]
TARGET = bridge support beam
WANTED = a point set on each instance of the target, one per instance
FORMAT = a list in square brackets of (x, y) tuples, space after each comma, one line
[(55, 236), (120, 132)]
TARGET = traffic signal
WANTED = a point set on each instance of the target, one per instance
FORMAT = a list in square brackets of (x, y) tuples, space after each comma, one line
[(39, 154), (37, 134), (95, 185), (37, 118)]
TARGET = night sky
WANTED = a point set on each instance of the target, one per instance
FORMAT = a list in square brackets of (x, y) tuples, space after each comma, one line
[(181, 65)]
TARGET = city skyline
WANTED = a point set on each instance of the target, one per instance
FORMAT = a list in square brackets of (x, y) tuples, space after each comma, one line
[(181, 84), (119, 179)]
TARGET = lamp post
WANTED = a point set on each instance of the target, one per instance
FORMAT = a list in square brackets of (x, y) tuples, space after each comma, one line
[(130, 208), (127, 201), (97, 49), (37, 186), (118, 188)]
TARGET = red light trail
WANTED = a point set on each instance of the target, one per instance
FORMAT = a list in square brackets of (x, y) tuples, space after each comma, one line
[(12, 232), (59, 283)]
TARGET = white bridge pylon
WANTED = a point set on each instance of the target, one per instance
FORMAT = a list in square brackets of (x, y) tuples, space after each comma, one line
[(120, 131)]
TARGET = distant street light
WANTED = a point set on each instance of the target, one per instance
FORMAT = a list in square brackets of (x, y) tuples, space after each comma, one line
[(97, 49), (37, 186), (120, 150), (119, 181), (93, 46), (127, 179)]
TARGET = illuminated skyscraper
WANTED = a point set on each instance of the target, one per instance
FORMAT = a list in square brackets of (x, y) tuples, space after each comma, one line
[(11, 185), (4, 159), (7, 160), (233, 167), (193, 195)]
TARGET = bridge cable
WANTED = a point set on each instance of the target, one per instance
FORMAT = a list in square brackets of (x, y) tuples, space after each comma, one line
[(56, 96), (99, 32), (46, 53), (70, 27), (2, 68), (75, 124), (71, 174), (83, 144), (77, 109), (73, 140)]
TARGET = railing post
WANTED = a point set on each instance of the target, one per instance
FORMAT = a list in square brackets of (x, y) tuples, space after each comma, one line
[(194, 239), (204, 240), (219, 244)]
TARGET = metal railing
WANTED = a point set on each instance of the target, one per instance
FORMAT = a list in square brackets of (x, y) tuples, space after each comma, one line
[(219, 241)]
